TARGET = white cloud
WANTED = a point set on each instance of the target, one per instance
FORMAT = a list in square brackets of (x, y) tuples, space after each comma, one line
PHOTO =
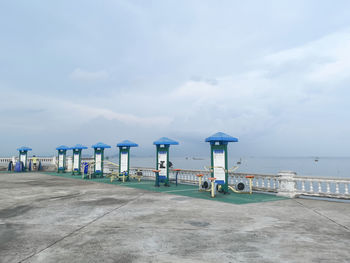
[(284, 93), (43, 113), (323, 60), (195, 89), (83, 75), (283, 89), (89, 112)]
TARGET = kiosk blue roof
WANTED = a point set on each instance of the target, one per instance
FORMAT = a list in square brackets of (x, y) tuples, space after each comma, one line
[(127, 143), (165, 141), (221, 137), (100, 145), (63, 147), (24, 149), (78, 147)]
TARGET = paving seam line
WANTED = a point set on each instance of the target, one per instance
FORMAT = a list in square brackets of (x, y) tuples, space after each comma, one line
[(80, 228), (320, 214)]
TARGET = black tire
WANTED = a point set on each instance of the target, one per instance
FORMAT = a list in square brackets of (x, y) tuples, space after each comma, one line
[(205, 185), (240, 186)]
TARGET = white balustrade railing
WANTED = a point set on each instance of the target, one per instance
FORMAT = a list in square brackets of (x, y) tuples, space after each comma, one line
[(323, 187), (5, 160), (44, 160), (284, 183)]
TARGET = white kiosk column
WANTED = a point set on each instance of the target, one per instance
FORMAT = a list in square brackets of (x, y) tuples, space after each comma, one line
[(62, 151), (162, 158), (77, 149), (99, 158), (219, 158), (23, 156)]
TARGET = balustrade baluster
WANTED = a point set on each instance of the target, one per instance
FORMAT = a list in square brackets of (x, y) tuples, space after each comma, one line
[(328, 188), (311, 187), (268, 183), (346, 188), (337, 188), (303, 186), (319, 187)]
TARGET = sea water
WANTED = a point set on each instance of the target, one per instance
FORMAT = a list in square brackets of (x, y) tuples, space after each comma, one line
[(303, 166)]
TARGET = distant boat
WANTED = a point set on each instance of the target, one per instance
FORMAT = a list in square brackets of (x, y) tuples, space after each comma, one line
[(193, 158), (316, 159), (240, 161)]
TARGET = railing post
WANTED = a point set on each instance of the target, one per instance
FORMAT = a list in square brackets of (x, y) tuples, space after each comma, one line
[(287, 184)]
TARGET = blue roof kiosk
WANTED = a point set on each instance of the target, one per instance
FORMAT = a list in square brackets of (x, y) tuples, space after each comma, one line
[(62, 153), (124, 154), (23, 156), (219, 165), (77, 158), (162, 158), (99, 156)]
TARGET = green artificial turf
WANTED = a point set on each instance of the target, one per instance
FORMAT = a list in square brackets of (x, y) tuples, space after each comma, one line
[(183, 190)]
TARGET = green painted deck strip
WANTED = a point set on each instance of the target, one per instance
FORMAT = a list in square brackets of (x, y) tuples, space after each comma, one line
[(180, 190), (183, 190)]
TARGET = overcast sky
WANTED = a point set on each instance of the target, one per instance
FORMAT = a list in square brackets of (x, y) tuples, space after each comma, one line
[(275, 74)]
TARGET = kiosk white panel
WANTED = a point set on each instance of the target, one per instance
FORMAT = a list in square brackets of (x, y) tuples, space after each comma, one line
[(219, 164), (23, 159), (124, 161), (76, 161), (162, 163), (60, 160), (98, 162)]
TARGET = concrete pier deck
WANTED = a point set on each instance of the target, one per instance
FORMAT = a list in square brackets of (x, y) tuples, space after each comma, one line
[(45, 218)]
